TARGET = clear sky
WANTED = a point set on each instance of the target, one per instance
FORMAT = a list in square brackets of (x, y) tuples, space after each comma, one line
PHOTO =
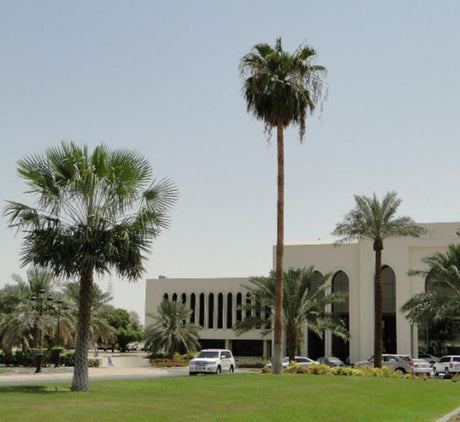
[(162, 78)]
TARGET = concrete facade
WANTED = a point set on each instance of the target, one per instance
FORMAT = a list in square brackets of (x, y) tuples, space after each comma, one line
[(355, 263)]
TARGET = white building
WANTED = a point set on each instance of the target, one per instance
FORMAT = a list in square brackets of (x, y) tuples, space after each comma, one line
[(215, 301)]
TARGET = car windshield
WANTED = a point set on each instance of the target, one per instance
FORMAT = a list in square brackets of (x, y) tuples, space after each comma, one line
[(208, 354)]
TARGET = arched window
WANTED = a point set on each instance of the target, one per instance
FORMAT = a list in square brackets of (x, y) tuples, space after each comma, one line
[(220, 310), (229, 310), (202, 310), (211, 310), (165, 296), (192, 307), (239, 302), (248, 305), (174, 297), (184, 298), (340, 284), (389, 310)]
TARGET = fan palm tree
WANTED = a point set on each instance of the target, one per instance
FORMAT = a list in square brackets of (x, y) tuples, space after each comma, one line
[(304, 304), (442, 273), (281, 89), (376, 221), (93, 212), (170, 331)]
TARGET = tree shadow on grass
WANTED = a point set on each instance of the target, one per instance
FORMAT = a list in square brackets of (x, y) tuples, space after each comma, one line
[(33, 389)]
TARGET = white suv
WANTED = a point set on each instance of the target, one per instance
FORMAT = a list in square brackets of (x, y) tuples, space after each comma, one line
[(449, 364), (212, 361)]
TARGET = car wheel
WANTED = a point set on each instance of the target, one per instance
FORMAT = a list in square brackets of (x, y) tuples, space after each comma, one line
[(402, 370), (232, 369), (218, 370), (447, 373), (192, 373), (435, 373)]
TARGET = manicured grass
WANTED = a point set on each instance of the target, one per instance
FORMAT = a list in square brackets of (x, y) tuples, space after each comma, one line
[(239, 397)]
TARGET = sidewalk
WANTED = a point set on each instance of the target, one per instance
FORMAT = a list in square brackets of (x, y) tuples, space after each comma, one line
[(28, 376)]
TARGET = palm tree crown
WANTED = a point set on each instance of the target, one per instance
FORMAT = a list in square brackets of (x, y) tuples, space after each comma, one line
[(93, 212), (280, 87), (443, 274), (375, 220)]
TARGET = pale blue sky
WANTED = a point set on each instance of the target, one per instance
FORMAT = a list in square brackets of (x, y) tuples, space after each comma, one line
[(162, 78)]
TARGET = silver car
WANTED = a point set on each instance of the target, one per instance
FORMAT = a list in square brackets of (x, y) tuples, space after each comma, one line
[(212, 361), (402, 363), (421, 367), (299, 360)]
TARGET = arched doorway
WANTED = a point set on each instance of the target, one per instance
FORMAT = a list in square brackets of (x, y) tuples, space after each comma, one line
[(341, 284), (316, 344), (389, 310)]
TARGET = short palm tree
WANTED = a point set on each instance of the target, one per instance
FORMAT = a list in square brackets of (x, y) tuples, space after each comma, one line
[(93, 212), (281, 89), (376, 221), (442, 273), (170, 331), (304, 304)]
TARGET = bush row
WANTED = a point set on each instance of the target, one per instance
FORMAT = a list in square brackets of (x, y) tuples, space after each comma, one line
[(28, 358), (354, 372)]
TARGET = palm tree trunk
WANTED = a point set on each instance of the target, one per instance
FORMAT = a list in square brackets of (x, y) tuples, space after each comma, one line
[(80, 373), (278, 326), (378, 303)]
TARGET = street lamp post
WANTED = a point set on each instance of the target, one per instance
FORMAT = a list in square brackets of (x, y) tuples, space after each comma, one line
[(60, 306), (40, 305)]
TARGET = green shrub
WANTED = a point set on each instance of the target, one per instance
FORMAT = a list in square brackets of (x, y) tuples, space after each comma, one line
[(319, 370), (94, 363)]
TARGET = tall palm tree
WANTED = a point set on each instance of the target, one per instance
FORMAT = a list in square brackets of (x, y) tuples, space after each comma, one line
[(281, 88), (376, 221), (304, 304), (93, 212), (170, 331)]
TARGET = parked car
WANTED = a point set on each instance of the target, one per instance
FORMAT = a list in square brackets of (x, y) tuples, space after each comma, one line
[(421, 367), (402, 363), (331, 361), (429, 358), (212, 361), (299, 360), (449, 364)]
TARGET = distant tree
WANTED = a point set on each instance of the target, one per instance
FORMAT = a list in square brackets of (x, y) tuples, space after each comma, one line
[(18, 320), (376, 221), (125, 330), (304, 304), (170, 331), (93, 212), (281, 89)]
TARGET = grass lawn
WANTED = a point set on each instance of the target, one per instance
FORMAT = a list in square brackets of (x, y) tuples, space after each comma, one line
[(239, 397)]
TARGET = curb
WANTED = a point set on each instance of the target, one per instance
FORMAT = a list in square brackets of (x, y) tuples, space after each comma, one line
[(449, 416)]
